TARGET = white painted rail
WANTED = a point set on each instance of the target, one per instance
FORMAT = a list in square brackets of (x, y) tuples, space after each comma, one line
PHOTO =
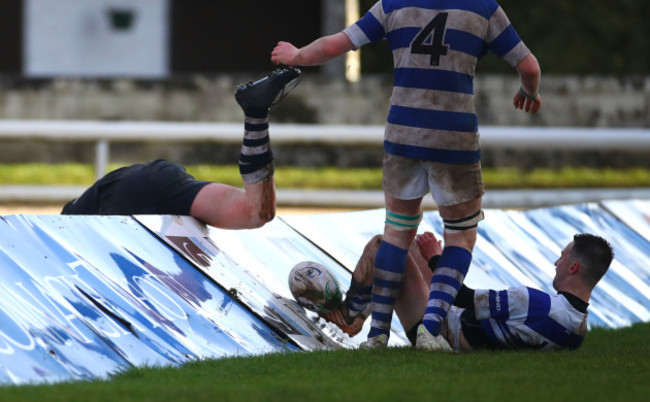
[(138, 131), (102, 133)]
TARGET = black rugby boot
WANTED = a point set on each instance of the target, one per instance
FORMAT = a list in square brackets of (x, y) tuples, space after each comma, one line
[(268, 91)]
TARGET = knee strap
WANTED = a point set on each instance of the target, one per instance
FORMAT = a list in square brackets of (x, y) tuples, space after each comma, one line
[(402, 222), (466, 223)]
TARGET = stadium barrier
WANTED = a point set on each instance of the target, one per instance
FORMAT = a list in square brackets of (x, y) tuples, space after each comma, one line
[(84, 297), (102, 133)]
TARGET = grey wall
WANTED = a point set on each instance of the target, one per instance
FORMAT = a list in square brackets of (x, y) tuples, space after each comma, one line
[(567, 101)]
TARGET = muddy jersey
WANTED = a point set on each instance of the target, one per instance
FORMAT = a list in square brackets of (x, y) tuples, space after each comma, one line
[(525, 318), (436, 45)]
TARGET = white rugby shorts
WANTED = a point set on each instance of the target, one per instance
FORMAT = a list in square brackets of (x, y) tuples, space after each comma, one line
[(449, 184)]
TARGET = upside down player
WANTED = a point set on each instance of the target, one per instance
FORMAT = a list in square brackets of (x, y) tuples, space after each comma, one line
[(515, 318), (431, 141), (163, 187)]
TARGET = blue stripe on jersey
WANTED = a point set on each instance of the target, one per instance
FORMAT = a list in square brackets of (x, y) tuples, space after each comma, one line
[(484, 8), (465, 42), (433, 119), (538, 320), (556, 332), (371, 27), (432, 154), (504, 43), (487, 328), (441, 80), (539, 303), (499, 304), (402, 37), (459, 41)]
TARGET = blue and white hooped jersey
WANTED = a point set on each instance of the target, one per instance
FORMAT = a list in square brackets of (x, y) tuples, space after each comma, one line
[(523, 317), (436, 45)]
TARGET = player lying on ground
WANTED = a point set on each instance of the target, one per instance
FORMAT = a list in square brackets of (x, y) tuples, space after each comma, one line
[(516, 318), (162, 187)]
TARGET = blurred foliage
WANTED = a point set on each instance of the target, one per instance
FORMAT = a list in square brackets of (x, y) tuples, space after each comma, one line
[(584, 37), (337, 178)]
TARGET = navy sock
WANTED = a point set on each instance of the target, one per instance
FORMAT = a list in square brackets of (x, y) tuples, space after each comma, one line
[(390, 264), (445, 283)]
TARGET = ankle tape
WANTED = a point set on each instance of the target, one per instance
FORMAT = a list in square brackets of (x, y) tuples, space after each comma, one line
[(466, 223), (402, 222)]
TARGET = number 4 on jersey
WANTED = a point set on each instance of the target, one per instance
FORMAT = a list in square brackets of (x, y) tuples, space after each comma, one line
[(433, 47)]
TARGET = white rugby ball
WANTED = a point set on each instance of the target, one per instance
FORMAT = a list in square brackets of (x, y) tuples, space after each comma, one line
[(314, 287)]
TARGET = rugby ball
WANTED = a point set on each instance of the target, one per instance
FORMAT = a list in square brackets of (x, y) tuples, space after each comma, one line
[(314, 287)]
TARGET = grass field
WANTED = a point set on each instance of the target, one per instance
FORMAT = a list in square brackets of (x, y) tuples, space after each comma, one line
[(612, 365), (357, 179)]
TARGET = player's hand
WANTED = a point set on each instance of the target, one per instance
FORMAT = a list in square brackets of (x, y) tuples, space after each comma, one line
[(284, 53), (429, 245), (528, 103), (336, 317)]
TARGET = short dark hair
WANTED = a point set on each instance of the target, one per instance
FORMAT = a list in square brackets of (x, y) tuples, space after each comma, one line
[(595, 253)]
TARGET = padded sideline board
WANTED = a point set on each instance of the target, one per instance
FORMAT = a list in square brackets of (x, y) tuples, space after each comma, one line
[(83, 297), (88, 296), (256, 264)]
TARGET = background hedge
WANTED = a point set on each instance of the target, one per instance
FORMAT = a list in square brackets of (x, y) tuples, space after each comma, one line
[(584, 37)]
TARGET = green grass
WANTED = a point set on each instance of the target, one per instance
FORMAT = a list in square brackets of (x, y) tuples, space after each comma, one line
[(612, 365), (329, 177)]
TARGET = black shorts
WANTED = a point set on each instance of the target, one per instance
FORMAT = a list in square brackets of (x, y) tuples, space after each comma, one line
[(158, 187)]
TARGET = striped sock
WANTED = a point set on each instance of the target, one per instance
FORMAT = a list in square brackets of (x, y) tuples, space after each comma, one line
[(358, 298), (256, 158), (445, 283), (390, 264)]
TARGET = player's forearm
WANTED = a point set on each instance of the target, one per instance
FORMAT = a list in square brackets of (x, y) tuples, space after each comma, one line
[(323, 50), (530, 74)]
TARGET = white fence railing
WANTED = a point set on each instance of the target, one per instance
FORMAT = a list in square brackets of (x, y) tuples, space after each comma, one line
[(103, 133)]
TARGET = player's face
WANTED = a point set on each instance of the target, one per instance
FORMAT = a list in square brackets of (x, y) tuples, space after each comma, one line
[(562, 266)]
